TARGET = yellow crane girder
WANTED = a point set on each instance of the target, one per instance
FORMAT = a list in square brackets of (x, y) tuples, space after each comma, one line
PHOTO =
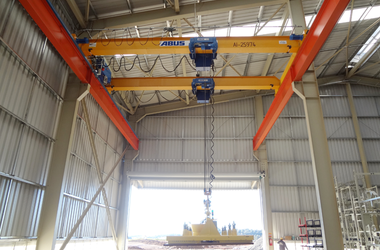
[(180, 45), (184, 83)]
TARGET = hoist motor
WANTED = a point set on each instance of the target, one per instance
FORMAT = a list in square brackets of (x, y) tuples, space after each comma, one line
[(98, 63), (203, 52), (102, 70), (203, 88)]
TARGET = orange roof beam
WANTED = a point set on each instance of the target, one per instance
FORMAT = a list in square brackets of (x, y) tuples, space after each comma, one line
[(184, 83)]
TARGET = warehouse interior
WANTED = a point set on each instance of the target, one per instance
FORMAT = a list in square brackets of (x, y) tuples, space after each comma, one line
[(294, 114)]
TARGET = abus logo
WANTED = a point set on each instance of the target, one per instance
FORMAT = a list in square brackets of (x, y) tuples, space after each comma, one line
[(172, 43)]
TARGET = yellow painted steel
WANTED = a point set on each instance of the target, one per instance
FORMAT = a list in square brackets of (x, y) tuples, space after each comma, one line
[(184, 83), (174, 45), (205, 234)]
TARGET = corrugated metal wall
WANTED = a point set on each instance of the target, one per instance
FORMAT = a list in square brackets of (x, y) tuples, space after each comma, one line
[(173, 142), (81, 176), (367, 104), (33, 78)]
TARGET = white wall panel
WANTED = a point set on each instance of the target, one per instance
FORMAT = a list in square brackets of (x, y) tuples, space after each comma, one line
[(304, 173), (333, 90), (375, 168), (372, 149), (24, 36), (365, 106), (343, 150), (282, 173), (197, 185), (335, 107), (344, 172), (82, 180), (30, 103), (15, 84), (362, 90), (280, 150), (339, 127), (287, 223), (10, 132), (33, 156), (285, 199), (22, 210), (370, 127)]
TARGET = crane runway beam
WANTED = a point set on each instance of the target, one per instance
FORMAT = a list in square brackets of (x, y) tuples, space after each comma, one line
[(180, 45), (184, 83)]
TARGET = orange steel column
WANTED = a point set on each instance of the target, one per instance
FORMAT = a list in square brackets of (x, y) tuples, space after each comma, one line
[(47, 19), (325, 21)]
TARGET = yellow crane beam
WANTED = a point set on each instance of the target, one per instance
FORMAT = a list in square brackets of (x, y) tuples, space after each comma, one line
[(184, 83), (180, 45)]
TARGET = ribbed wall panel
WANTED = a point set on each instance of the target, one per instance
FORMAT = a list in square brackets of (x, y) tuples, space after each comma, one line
[(333, 90), (30, 102), (77, 177), (301, 150), (243, 107), (372, 149), (280, 150), (16, 84), (339, 128), (362, 90), (10, 132), (284, 199), (344, 172), (370, 127), (44, 108), (102, 125), (24, 36), (335, 107), (304, 173), (102, 223), (287, 223), (22, 211), (375, 168), (82, 179), (343, 150), (282, 173), (197, 185), (308, 199), (53, 68), (88, 227), (4, 10), (71, 210), (174, 141), (366, 106), (33, 155)]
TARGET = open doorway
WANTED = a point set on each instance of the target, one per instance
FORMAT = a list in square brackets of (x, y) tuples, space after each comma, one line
[(157, 213)]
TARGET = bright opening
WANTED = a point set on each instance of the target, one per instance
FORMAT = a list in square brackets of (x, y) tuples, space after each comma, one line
[(157, 213)]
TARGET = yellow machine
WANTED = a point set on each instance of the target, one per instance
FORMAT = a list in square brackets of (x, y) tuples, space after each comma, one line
[(208, 234)]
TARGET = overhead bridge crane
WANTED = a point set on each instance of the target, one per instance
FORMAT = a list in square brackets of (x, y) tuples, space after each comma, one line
[(303, 55), (202, 50)]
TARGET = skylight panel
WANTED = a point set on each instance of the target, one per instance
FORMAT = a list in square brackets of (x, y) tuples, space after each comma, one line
[(372, 41)]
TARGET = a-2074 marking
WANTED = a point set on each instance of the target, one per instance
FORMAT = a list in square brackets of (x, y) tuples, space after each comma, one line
[(244, 44)]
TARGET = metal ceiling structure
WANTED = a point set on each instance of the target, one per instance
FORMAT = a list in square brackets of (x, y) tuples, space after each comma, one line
[(343, 56)]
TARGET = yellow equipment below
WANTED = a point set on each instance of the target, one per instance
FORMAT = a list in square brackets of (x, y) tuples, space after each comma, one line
[(208, 234)]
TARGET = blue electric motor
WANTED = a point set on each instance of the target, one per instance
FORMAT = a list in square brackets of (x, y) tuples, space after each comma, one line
[(203, 88), (203, 61), (102, 70)]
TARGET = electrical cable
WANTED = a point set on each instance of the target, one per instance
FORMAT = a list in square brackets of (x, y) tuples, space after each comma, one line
[(139, 100), (122, 62), (205, 142), (212, 177)]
